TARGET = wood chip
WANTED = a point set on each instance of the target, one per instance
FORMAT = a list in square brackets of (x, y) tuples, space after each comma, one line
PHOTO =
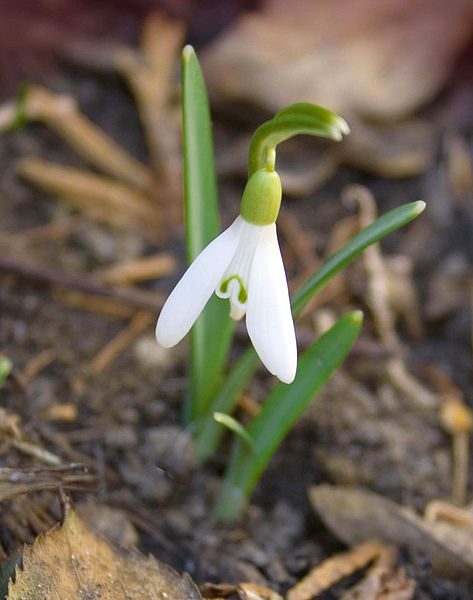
[(64, 411)]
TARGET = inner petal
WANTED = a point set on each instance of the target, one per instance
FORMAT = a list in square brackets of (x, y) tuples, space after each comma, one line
[(234, 284)]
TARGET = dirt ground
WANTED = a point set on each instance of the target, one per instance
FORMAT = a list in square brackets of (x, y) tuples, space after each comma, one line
[(126, 425)]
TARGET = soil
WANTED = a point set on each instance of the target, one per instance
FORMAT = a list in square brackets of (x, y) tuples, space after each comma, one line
[(128, 423)]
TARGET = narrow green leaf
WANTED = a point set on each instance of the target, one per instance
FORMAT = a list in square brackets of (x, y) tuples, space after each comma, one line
[(209, 434), (212, 333), (5, 368), (300, 118), (20, 117), (281, 410), (370, 235), (231, 423)]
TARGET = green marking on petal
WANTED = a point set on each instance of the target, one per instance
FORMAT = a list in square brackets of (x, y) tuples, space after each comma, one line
[(242, 294)]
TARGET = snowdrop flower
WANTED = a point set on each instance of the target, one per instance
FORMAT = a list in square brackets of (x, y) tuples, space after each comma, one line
[(242, 264)]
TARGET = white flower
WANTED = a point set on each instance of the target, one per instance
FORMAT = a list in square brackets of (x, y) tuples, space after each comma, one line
[(243, 264)]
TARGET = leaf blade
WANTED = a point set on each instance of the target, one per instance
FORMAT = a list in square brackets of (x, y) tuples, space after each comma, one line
[(384, 225), (281, 410), (212, 333), (231, 423)]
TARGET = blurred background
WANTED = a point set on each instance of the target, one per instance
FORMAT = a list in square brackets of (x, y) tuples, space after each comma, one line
[(91, 242)]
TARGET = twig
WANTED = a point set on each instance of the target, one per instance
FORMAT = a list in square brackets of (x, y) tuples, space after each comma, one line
[(439, 510), (19, 481), (301, 245), (57, 230), (61, 114), (98, 304), (408, 385), (101, 197), (61, 441), (39, 362), (120, 342), (335, 568), (378, 277), (138, 298), (149, 74), (459, 167), (150, 267), (40, 453)]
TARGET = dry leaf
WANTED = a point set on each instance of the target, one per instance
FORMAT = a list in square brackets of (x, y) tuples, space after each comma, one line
[(366, 58), (70, 562), (356, 515)]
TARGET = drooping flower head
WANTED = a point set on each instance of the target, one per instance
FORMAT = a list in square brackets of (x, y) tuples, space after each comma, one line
[(242, 264)]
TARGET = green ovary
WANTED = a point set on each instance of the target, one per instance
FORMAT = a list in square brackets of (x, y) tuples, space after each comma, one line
[(261, 198)]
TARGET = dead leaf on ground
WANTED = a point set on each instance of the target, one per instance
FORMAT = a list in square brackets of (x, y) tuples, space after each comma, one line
[(372, 62), (365, 58), (71, 562), (355, 515)]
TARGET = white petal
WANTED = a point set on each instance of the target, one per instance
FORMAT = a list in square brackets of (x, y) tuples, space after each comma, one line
[(191, 294), (268, 318)]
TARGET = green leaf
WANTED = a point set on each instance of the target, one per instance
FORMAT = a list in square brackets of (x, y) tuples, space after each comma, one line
[(281, 410), (5, 368), (209, 434), (300, 118), (212, 333), (370, 235), (20, 119), (231, 423)]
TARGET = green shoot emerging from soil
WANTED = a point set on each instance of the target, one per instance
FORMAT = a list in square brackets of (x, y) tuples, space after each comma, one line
[(244, 265)]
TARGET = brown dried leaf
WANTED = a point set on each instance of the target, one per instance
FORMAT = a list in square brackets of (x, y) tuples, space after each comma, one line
[(355, 515), (362, 58), (70, 562), (393, 151)]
